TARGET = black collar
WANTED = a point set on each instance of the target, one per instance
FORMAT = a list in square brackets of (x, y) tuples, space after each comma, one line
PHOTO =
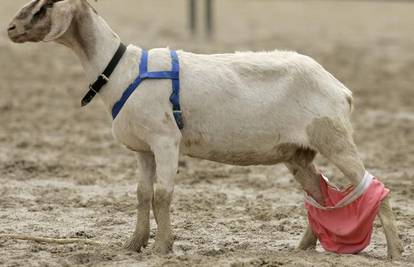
[(104, 77)]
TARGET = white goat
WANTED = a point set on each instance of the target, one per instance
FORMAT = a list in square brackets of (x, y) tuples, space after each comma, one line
[(243, 109)]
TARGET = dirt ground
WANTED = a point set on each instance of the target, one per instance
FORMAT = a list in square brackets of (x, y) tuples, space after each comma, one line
[(63, 175)]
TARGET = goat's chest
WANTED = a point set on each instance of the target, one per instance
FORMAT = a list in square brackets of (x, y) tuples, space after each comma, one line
[(146, 116), (130, 139)]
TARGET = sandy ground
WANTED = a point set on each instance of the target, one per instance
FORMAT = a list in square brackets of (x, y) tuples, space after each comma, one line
[(63, 175)]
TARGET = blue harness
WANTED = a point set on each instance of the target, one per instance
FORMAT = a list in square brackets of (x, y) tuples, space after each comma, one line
[(173, 75)]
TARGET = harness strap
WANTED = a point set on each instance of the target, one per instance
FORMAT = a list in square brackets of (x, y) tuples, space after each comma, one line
[(173, 75), (175, 96)]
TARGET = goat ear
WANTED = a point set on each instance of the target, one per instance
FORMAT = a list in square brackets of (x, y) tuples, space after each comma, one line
[(61, 16)]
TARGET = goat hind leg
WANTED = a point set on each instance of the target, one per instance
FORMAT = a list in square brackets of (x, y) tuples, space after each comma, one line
[(391, 234), (305, 173), (333, 140), (308, 240)]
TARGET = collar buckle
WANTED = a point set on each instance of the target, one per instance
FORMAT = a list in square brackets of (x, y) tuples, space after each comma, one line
[(103, 76), (92, 89)]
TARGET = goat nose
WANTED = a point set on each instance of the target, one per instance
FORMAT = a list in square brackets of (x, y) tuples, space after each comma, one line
[(11, 28)]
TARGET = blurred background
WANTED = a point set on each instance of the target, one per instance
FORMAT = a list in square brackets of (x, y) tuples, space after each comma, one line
[(63, 175)]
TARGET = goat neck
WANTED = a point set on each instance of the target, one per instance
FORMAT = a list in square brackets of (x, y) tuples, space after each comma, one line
[(92, 40)]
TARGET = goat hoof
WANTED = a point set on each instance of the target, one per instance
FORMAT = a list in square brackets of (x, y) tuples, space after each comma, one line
[(395, 254), (308, 242), (163, 248), (307, 247), (136, 244)]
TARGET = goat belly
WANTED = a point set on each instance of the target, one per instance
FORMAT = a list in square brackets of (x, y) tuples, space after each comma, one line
[(346, 230)]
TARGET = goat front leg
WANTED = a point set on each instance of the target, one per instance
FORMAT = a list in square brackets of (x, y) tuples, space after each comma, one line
[(166, 153), (146, 172)]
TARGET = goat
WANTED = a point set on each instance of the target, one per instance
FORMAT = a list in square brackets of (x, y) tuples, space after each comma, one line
[(242, 109)]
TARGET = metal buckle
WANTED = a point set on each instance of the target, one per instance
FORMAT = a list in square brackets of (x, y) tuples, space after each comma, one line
[(104, 77), (92, 89)]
